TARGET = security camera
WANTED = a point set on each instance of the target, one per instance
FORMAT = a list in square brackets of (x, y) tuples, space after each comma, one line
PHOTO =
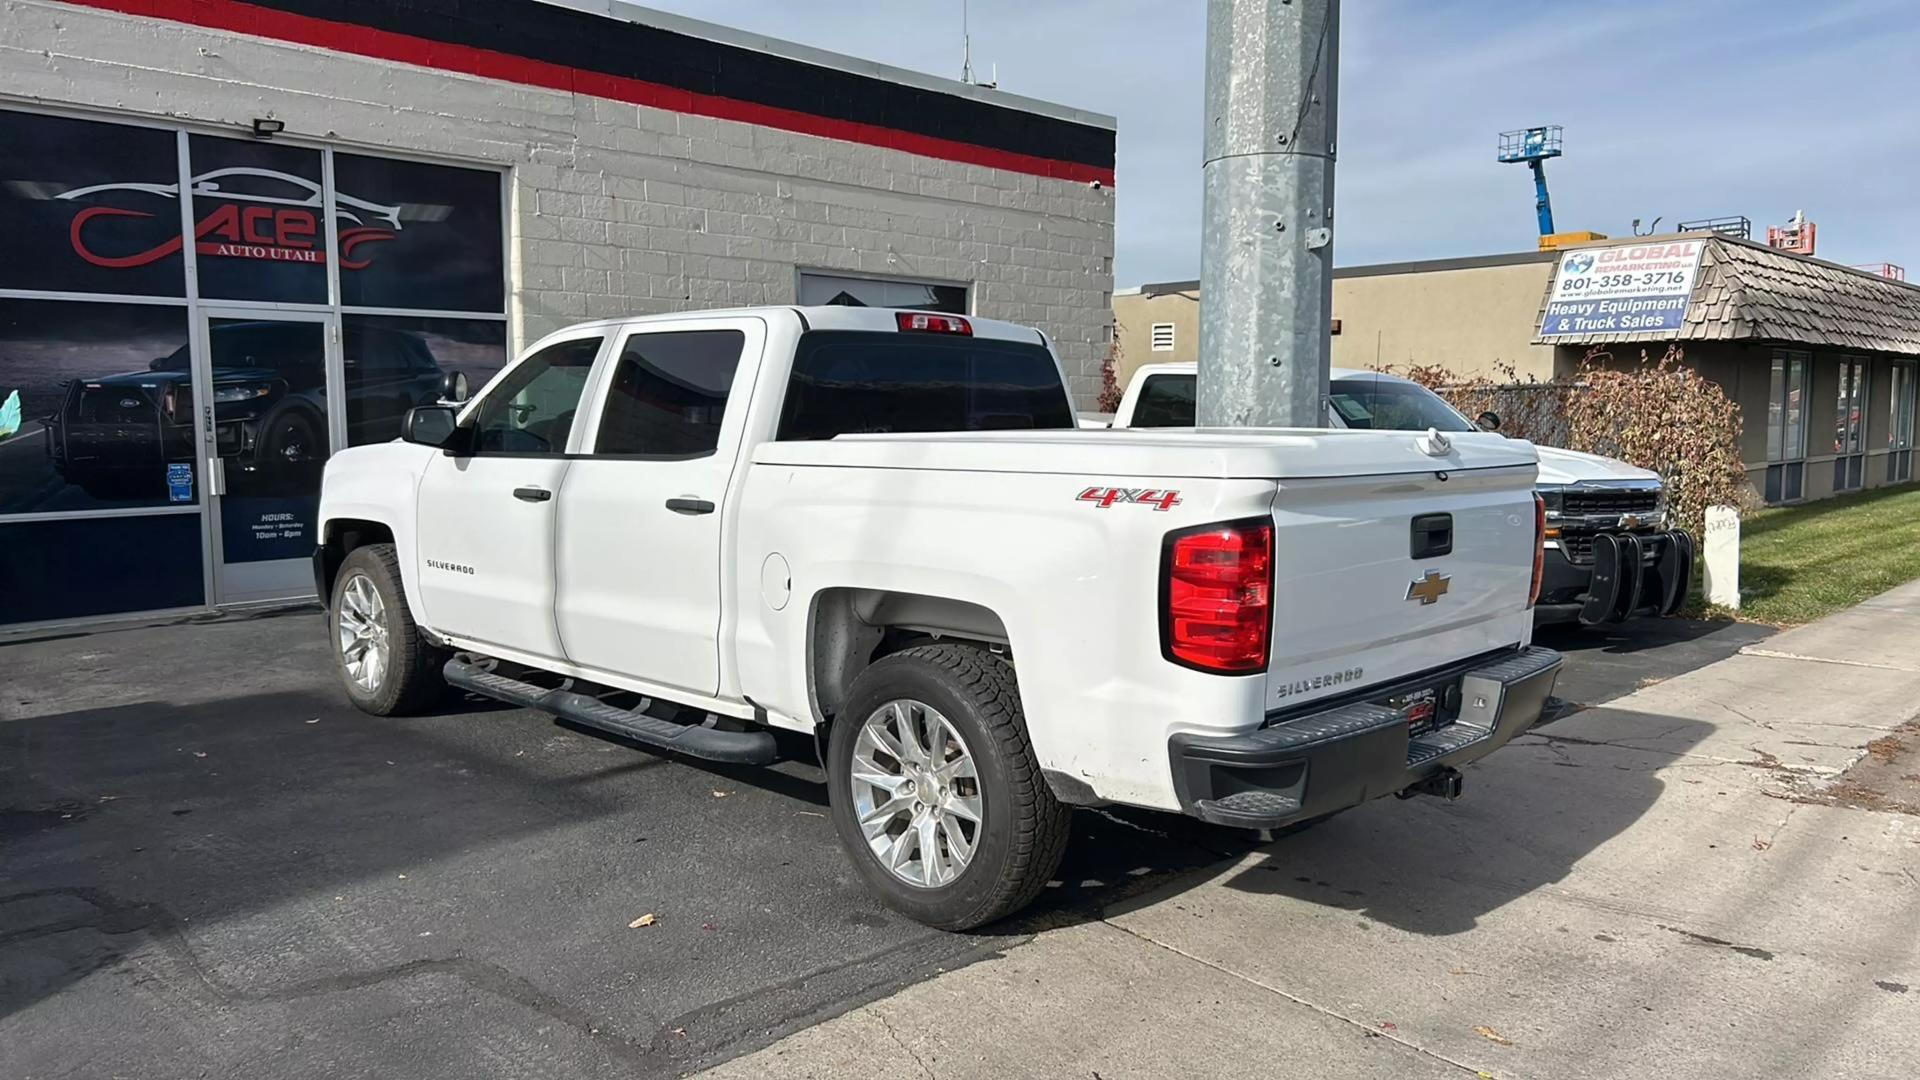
[(1095, 184)]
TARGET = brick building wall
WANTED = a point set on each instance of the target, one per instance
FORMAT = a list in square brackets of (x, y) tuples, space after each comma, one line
[(618, 208)]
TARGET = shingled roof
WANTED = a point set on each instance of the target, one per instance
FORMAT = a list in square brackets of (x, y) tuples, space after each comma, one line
[(1750, 292)]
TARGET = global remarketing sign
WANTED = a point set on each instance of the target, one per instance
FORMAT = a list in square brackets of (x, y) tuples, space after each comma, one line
[(1636, 288)]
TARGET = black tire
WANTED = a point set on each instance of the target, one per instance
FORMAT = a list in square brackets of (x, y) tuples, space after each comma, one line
[(289, 440), (1023, 834), (411, 678)]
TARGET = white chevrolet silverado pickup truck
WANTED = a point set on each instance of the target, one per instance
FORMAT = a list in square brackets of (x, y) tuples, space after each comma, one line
[(883, 530), (1609, 551)]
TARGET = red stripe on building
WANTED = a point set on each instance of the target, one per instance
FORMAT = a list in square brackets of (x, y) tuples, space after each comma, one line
[(248, 19)]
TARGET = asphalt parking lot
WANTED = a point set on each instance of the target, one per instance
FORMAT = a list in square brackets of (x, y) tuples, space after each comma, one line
[(216, 867)]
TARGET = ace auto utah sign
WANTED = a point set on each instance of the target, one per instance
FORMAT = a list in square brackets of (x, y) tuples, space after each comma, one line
[(1637, 288)]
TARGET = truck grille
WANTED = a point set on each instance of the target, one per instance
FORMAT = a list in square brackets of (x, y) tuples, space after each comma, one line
[(1578, 546), (114, 405), (1617, 501)]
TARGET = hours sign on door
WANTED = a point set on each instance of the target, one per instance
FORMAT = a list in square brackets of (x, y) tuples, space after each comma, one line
[(1627, 288)]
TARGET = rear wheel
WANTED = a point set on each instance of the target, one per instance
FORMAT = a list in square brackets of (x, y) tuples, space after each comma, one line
[(387, 666), (936, 792)]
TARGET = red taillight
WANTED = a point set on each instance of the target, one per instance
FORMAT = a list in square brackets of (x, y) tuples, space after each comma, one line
[(1217, 597), (925, 323), (1539, 548)]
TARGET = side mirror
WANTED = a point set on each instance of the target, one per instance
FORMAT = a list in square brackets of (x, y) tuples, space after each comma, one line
[(429, 425), (453, 386), (1489, 421)]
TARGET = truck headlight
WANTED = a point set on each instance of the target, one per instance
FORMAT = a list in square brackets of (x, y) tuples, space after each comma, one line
[(1552, 500), (229, 394)]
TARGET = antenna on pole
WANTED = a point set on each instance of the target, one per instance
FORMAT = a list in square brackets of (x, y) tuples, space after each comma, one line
[(966, 46)]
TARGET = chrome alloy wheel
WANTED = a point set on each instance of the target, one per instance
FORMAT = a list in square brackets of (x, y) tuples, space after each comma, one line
[(915, 793), (361, 627)]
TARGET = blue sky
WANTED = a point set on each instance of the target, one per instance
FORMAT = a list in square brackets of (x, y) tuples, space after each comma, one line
[(1679, 109)]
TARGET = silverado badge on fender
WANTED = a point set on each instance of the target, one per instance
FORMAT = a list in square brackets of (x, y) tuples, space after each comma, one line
[(1429, 589)]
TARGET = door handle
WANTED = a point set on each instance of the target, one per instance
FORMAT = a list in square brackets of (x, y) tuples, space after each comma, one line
[(690, 506), (532, 494)]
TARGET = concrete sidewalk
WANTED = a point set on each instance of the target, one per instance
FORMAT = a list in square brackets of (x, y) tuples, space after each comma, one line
[(1637, 890)]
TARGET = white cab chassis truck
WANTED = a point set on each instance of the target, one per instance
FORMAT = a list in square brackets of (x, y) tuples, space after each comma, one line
[(883, 533)]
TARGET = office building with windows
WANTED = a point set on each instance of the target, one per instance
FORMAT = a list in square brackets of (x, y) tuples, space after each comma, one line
[(240, 236)]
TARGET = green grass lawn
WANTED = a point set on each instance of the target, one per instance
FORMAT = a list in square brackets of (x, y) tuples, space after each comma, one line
[(1798, 563)]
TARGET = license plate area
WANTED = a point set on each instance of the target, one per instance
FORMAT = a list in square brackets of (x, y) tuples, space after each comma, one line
[(1426, 708)]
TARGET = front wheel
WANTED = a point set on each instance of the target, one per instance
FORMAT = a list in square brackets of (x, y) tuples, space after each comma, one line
[(936, 792), (387, 666)]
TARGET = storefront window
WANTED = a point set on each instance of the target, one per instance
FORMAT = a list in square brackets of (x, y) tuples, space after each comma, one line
[(89, 207), (256, 212), (426, 237), (107, 451), (396, 362), (99, 401), (1900, 425), (1786, 426), (78, 567), (1850, 425)]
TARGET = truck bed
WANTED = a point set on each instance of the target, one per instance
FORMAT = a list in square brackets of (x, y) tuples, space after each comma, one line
[(1209, 453)]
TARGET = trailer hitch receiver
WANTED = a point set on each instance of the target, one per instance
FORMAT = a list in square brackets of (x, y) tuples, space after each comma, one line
[(1446, 784)]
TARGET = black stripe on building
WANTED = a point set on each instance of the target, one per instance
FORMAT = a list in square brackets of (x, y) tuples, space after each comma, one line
[(578, 39)]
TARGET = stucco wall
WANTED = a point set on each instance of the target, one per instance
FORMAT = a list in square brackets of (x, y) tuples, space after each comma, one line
[(1469, 320), (1134, 315), (617, 209)]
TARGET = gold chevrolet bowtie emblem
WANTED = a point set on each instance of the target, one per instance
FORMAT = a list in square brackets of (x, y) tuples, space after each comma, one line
[(1429, 589)]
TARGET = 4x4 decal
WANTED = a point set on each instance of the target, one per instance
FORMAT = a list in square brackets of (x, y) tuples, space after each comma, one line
[(1104, 497)]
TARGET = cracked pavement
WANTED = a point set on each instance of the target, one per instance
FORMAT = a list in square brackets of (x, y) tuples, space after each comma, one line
[(215, 867)]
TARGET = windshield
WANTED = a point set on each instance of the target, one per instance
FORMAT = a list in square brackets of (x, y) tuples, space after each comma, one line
[(1391, 405)]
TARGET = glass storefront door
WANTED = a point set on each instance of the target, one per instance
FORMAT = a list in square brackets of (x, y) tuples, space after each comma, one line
[(265, 437)]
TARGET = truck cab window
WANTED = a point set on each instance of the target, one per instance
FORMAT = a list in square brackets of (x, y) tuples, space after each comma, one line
[(1165, 401), (850, 382), (1392, 405), (669, 393), (532, 410)]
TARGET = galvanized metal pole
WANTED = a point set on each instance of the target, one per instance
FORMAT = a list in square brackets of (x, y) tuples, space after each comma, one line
[(1266, 268)]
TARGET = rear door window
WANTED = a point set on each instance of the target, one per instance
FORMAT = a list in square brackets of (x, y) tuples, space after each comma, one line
[(669, 393), (850, 382)]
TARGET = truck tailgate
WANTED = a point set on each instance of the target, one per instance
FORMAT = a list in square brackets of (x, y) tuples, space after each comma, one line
[(1355, 606)]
